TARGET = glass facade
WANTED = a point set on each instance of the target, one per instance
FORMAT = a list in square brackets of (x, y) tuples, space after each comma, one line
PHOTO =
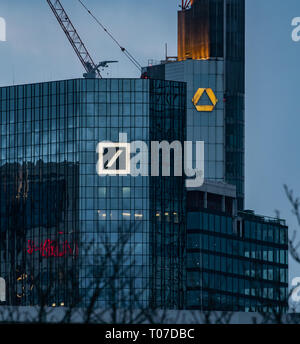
[(63, 227), (69, 235), (235, 96), (236, 263), (211, 54), (204, 126)]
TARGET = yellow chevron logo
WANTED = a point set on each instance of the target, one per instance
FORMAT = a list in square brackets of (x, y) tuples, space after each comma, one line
[(211, 96)]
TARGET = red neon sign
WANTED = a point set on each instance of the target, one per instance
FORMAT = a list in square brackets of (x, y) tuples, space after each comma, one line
[(53, 248)]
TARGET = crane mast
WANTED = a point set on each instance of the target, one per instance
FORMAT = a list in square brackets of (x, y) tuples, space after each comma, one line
[(75, 40)]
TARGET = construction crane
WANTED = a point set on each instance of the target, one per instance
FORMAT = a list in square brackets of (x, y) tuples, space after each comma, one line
[(131, 58), (92, 70)]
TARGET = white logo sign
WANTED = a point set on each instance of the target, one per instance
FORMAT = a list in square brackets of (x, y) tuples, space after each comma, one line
[(2, 30), (116, 159), (296, 31), (2, 290)]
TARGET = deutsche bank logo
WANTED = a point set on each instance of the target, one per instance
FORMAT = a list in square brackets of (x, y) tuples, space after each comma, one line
[(2, 30), (116, 152), (2, 290)]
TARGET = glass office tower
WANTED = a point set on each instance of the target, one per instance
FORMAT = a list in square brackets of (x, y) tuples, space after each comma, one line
[(236, 261), (211, 54), (68, 234)]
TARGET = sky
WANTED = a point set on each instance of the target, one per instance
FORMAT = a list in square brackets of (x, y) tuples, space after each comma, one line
[(37, 50)]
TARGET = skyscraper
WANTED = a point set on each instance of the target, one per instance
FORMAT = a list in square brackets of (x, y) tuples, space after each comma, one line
[(236, 260), (211, 60), (69, 233)]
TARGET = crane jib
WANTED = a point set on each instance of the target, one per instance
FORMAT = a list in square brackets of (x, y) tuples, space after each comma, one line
[(74, 38)]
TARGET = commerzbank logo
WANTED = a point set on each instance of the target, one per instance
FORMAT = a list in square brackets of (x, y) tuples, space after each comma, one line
[(212, 97)]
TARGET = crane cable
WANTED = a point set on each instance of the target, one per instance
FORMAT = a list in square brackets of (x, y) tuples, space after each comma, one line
[(125, 51)]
